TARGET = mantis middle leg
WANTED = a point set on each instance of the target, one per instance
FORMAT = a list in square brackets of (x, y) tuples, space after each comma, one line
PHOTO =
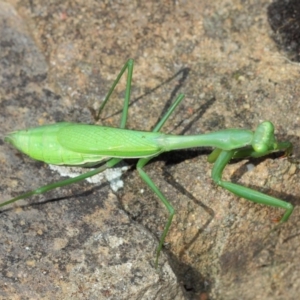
[(142, 162)]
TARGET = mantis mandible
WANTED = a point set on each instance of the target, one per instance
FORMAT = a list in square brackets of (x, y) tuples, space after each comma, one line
[(88, 145)]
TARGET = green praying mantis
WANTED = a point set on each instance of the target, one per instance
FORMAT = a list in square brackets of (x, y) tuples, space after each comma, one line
[(85, 145)]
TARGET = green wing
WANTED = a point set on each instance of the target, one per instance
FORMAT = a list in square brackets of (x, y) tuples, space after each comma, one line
[(108, 141)]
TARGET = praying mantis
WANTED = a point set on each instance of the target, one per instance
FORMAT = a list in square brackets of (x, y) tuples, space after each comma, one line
[(85, 145)]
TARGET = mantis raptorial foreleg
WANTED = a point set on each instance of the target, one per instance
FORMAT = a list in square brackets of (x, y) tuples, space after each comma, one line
[(223, 159)]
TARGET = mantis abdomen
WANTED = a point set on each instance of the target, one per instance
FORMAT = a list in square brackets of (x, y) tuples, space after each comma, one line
[(78, 144)]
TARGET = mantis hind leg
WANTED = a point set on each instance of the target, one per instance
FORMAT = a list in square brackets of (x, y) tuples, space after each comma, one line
[(244, 192), (128, 65), (142, 162), (110, 163)]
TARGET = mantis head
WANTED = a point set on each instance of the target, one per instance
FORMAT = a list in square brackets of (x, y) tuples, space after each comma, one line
[(263, 138)]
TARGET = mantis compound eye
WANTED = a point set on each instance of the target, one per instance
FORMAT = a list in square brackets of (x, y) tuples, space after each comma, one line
[(263, 138)]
